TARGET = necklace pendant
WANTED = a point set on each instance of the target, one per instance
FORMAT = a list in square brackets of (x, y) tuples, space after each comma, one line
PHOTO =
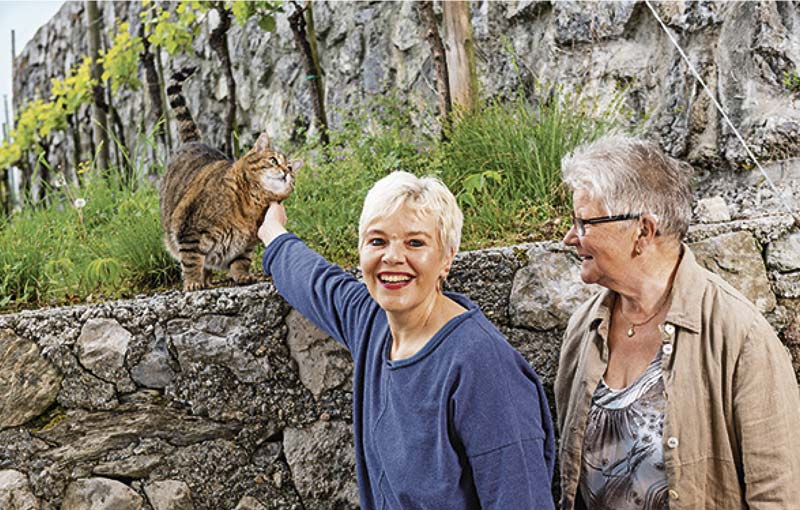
[(631, 332)]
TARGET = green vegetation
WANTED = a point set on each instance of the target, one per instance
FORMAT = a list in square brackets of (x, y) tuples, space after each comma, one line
[(103, 240), (791, 81)]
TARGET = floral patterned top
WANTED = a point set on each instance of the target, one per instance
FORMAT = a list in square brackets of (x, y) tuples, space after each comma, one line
[(623, 459)]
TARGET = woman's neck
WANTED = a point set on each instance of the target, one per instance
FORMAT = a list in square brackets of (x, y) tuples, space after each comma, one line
[(412, 329), (649, 289)]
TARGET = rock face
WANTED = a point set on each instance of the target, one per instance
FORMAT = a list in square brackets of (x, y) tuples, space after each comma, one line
[(605, 49), (228, 398)]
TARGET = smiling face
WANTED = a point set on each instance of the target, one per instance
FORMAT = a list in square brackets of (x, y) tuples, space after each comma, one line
[(606, 248), (402, 261)]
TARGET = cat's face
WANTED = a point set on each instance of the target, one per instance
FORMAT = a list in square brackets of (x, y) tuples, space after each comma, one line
[(271, 169)]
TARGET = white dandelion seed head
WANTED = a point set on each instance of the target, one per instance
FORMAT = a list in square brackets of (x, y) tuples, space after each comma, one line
[(80, 203)]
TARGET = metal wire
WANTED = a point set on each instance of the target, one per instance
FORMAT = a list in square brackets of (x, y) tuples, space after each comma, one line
[(724, 115)]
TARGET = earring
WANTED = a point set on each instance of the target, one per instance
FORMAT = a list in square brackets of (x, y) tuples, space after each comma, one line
[(638, 250)]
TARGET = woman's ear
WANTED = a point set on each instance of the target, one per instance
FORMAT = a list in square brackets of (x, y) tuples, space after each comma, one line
[(648, 230), (648, 227)]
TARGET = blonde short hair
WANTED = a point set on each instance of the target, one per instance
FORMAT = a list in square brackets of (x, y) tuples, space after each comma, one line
[(426, 195), (632, 176)]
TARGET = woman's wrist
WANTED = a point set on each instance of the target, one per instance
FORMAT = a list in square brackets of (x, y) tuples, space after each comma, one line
[(268, 233)]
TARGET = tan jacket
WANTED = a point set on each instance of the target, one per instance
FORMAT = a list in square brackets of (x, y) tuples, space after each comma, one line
[(732, 425)]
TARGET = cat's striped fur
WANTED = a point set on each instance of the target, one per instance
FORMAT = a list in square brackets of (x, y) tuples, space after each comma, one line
[(211, 207)]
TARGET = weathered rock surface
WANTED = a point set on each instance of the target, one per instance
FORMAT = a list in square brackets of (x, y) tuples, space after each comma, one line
[(322, 363), (712, 210), (250, 503), (169, 495), (784, 254), (737, 258), (102, 347), (547, 290), (15, 492), (29, 383), (100, 494), (312, 454)]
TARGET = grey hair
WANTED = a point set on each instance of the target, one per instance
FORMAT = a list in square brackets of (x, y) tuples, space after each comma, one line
[(631, 176), (426, 195)]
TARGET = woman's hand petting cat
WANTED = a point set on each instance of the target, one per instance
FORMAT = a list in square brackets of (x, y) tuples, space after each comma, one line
[(273, 225)]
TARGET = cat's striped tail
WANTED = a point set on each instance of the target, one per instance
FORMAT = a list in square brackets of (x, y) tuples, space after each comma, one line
[(187, 129)]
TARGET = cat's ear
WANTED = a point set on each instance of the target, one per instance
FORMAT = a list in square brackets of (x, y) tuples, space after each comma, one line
[(296, 164), (263, 144)]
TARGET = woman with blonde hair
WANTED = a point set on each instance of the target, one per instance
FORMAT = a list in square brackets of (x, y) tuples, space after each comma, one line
[(446, 414), (672, 390)]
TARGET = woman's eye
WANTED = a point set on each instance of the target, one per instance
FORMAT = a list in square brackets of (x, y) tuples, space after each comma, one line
[(376, 242), (416, 243)]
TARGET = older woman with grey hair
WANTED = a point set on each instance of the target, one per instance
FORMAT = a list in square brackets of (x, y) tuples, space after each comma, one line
[(446, 414), (672, 389)]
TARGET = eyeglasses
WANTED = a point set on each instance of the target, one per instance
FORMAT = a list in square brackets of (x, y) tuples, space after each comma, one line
[(580, 223)]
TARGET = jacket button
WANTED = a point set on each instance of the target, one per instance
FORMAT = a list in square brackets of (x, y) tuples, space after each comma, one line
[(669, 329), (672, 442), (673, 494), (667, 349)]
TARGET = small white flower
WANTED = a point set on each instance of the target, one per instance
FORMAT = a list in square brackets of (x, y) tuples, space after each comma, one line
[(79, 203), (59, 181)]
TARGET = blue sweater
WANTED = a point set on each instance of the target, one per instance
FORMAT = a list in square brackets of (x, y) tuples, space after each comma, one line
[(462, 424)]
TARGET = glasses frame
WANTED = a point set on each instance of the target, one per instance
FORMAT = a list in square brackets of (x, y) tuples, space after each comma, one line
[(580, 223)]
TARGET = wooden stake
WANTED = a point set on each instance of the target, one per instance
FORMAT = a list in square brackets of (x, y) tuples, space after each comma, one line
[(460, 47)]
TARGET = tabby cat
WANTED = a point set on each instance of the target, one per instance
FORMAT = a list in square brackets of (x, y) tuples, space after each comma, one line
[(211, 207)]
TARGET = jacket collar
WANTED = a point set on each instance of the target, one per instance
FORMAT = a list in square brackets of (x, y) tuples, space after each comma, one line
[(687, 294)]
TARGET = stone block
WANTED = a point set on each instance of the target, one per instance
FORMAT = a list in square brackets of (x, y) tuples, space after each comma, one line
[(100, 494), (102, 347), (547, 290), (322, 460), (169, 495), (15, 492), (322, 363), (712, 210), (784, 254), (250, 503), (736, 257), (29, 383)]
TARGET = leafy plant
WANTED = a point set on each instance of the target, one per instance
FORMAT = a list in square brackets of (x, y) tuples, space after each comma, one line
[(173, 32), (792, 81), (121, 61)]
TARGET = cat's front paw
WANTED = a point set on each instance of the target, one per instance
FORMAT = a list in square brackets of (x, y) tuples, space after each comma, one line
[(192, 286), (244, 279)]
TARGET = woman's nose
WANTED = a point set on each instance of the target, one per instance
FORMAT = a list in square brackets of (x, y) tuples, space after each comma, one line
[(571, 239), (393, 254)]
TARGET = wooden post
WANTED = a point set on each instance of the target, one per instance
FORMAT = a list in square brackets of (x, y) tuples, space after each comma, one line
[(460, 47), (13, 48)]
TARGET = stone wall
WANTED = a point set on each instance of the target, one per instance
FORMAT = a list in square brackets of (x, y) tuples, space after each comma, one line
[(604, 49), (228, 399)]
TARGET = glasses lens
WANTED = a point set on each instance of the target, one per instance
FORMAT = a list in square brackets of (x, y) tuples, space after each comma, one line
[(578, 224)]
